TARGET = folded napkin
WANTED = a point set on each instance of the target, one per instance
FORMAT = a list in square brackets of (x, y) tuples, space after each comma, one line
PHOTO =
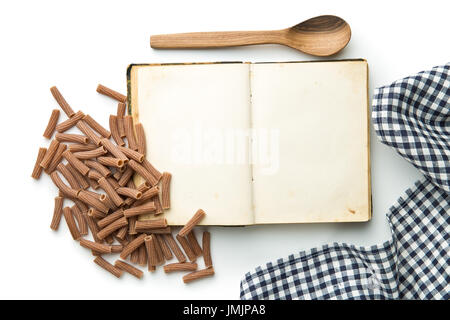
[(412, 116)]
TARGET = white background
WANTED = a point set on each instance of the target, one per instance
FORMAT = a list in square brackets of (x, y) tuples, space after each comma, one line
[(79, 44)]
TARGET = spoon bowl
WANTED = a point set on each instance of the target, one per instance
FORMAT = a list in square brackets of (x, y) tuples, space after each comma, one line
[(319, 36)]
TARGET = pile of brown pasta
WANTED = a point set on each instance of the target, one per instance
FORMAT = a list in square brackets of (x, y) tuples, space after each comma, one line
[(80, 164)]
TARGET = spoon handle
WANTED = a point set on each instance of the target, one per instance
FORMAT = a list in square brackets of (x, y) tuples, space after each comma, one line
[(213, 39)]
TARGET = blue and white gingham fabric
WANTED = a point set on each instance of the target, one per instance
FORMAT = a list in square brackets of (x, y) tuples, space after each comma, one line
[(411, 115)]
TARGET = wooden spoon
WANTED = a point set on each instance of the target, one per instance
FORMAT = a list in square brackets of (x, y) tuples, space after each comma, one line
[(319, 36)]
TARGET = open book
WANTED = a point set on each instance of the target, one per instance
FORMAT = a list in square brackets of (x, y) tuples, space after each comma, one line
[(258, 143)]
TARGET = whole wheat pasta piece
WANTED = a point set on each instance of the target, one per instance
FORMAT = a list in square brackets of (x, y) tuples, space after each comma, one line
[(57, 213), (174, 247), (114, 150), (81, 205), (158, 231), (129, 132), (134, 257), (150, 224), (52, 121), (159, 253), (113, 182), (110, 218), (198, 216), (122, 265), (92, 224), (111, 93), (65, 189), (82, 181), (118, 174), (147, 195), (198, 275), (132, 225), (68, 216), (206, 244), (105, 185), (143, 172), (140, 137), (94, 174), (164, 247), (123, 242), (116, 248), (122, 232), (98, 196), (83, 127), (183, 266), (152, 254), (104, 171), (131, 185), (92, 201), (76, 163), (108, 266), (37, 169), (153, 171), (187, 248), (96, 126), (158, 205), (194, 243), (133, 245), (49, 154), (68, 176), (62, 102), (106, 231), (69, 123), (56, 158), (109, 239), (128, 202), (129, 192), (132, 154), (71, 137), (165, 190), (94, 184), (96, 214), (125, 177), (121, 110), (142, 255), (148, 207), (109, 203), (81, 222), (97, 247), (84, 155), (77, 147), (111, 162), (144, 186), (113, 126)]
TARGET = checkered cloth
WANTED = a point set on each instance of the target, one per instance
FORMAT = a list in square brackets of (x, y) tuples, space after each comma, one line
[(413, 116)]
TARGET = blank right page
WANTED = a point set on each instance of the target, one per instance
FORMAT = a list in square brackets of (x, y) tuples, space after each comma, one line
[(310, 142)]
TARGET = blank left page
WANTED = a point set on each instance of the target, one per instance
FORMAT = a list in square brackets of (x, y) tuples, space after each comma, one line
[(186, 111)]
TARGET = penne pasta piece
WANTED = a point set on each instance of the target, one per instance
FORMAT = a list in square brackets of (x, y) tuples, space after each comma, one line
[(76, 163), (90, 200), (122, 233), (121, 110), (77, 147), (158, 205), (174, 247), (132, 246), (150, 224), (132, 225), (129, 132), (104, 184), (94, 174), (84, 155), (198, 216), (106, 231), (116, 248), (81, 222), (111, 162), (104, 171), (142, 172), (68, 176), (153, 171), (198, 275), (82, 182), (62, 102), (114, 150), (109, 203), (183, 266), (96, 214), (129, 192), (56, 158), (110, 218), (140, 137), (206, 245), (164, 247), (69, 123), (37, 169), (192, 239), (186, 247), (159, 254), (96, 126), (92, 224), (125, 177), (97, 247), (68, 216), (111, 93), (165, 190), (152, 255), (158, 230), (57, 213), (70, 137), (108, 267), (83, 127), (65, 189), (51, 125), (142, 255), (113, 182), (49, 154), (122, 265), (148, 207), (113, 126), (130, 153)]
